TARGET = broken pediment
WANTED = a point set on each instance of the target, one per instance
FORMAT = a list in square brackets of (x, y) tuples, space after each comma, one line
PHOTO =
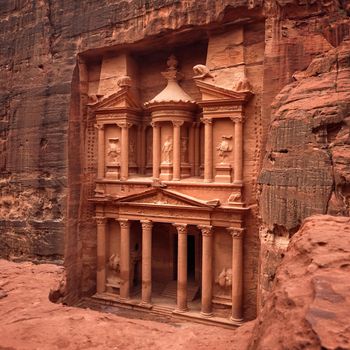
[(165, 197), (123, 99), (211, 92)]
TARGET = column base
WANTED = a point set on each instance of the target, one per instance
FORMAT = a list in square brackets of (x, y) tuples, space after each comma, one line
[(206, 314), (208, 180), (146, 305), (181, 311), (238, 182), (236, 320)]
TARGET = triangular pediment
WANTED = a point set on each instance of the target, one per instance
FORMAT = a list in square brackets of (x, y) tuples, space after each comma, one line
[(157, 196), (121, 99), (212, 92)]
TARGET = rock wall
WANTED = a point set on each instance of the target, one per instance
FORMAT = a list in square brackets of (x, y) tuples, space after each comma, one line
[(305, 169), (309, 302)]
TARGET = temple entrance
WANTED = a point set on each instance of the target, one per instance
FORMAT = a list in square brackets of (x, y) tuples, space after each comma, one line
[(191, 258)]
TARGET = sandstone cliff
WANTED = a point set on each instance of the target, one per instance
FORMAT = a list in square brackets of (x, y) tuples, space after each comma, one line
[(306, 167), (309, 303)]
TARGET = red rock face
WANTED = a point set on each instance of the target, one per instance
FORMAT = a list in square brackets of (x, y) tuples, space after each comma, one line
[(305, 169), (309, 303)]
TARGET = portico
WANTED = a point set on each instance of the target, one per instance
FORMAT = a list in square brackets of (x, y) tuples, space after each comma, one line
[(182, 216)]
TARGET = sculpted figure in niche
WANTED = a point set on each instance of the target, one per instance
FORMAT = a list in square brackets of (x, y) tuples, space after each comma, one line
[(113, 150), (132, 151), (201, 71), (224, 279), (223, 148), (114, 269), (184, 142), (167, 150)]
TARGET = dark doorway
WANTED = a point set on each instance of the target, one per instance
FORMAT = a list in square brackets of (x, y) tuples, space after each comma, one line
[(191, 258)]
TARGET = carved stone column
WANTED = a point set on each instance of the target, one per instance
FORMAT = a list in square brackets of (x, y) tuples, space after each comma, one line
[(197, 154), (182, 268), (177, 149), (124, 171), (207, 279), (100, 151), (124, 258), (238, 150), (156, 150), (208, 149), (101, 254), (191, 148), (146, 261), (237, 273)]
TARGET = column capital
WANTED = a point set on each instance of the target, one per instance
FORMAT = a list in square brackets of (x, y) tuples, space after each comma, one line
[(126, 125), (99, 126), (177, 123), (155, 124), (124, 223), (100, 220), (146, 224), (181, 228), (236, 232), (237, 118), (207, 120), (206, 230)]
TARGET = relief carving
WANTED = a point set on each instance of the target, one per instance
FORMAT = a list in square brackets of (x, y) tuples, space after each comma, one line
[(224, 279), (224, 148), (132, 151), (113, 150), (124, 81), (201, 71), (114, 270), (184, 148), (167, 150)]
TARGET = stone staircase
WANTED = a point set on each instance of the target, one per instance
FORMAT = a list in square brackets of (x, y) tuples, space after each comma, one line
[(171, 290)]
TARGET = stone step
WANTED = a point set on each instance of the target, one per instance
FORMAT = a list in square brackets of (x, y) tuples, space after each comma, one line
[(170, 290)]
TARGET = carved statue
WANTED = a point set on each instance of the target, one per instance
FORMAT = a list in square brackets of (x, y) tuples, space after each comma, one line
[(132, 151), (167, 150), (242, 85), (184, 142), (124, 81), (224, 148), (224, 279), (114, 270), (235, 197), (113, 150), (201, 71), (114, 262)]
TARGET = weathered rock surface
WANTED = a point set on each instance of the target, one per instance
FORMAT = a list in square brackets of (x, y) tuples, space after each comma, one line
[(28, 320), (306, 167), (308, 307)]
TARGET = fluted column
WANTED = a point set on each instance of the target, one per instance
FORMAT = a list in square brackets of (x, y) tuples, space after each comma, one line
[(177, 149), (238, 150), (101, 254), (181, 268), (191, 148), (208, 149), (156, 150), (124, 171), (146, 261), (207, 272), (100, 150), (197, 154), (124, 258), (237, 273)]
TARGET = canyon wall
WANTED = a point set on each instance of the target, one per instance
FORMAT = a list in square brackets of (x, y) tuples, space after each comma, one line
[(43, 97)]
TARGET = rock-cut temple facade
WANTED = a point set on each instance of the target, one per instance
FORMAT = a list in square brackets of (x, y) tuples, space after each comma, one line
[(168, 193)]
